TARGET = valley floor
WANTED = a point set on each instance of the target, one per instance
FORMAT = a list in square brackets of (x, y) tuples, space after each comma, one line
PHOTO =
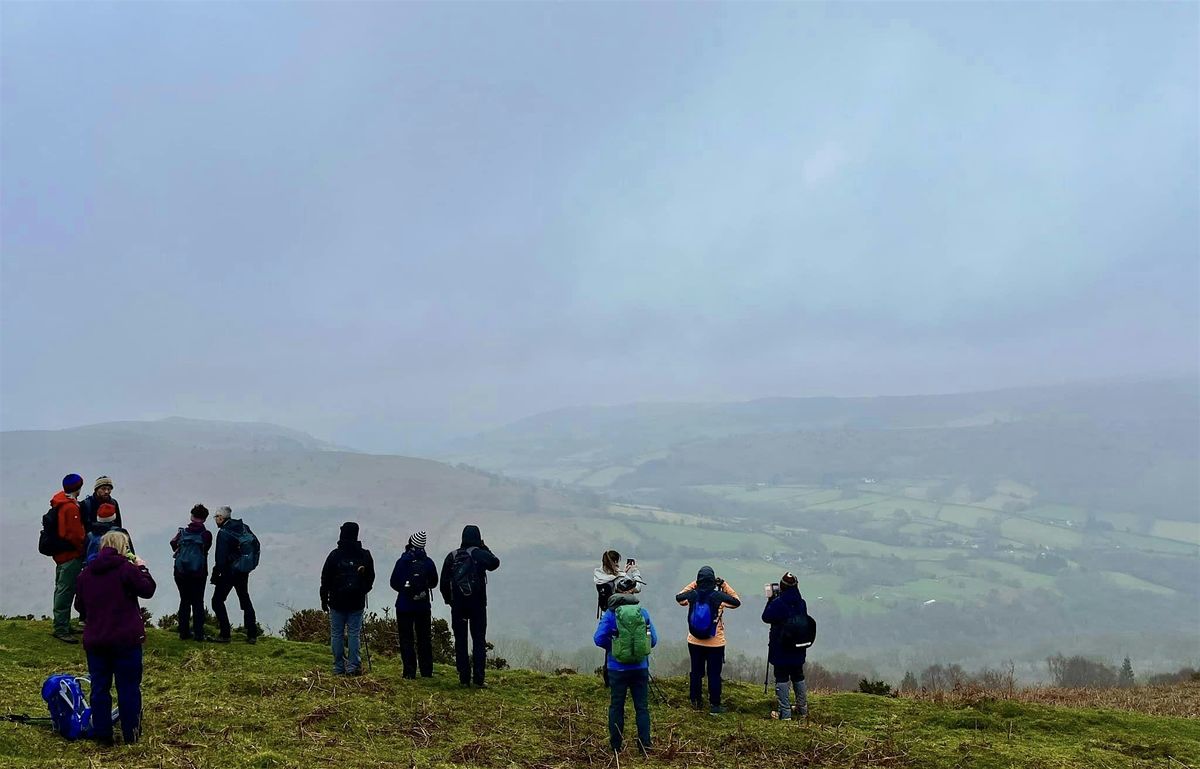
[(276, 705)]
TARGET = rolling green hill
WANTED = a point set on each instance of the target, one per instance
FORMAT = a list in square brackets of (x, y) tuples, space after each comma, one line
[(276, 705)]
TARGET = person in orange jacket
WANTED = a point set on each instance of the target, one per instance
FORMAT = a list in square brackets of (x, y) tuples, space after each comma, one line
[(69, 561), (707, 598)]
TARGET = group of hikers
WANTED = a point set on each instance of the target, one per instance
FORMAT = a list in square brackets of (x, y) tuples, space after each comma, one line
[(99, 573), (627, 634)]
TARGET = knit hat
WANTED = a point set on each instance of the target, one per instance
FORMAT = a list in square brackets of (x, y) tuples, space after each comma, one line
[(103, 480), (788, 580), (349, 532), (73, 482), (107, 513), (418, 540), (625, 584)]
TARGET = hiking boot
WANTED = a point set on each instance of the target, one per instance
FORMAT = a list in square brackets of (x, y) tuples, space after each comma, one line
[(716, 710), (481, 685), (775, 715), (697, 704), (221, 640), (252, 640), (66, 638)]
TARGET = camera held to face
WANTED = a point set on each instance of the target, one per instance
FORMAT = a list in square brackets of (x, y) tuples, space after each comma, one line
[(771, 590)]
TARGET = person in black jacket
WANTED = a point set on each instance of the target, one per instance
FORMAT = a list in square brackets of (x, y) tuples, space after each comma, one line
[(791, 632), (346, 578), (101, 495), (226, 578), (464, 588), (413, 577)]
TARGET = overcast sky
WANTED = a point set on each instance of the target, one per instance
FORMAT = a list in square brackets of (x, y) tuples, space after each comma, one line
[(385, 223)]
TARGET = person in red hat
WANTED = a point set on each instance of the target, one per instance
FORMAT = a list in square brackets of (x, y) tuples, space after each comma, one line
[(69, 559)]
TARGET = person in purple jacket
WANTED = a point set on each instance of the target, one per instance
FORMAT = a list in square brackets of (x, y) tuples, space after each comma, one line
[(107, 594)]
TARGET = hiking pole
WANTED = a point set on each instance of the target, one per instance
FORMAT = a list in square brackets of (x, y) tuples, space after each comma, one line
[(366, 646), (767, 672)]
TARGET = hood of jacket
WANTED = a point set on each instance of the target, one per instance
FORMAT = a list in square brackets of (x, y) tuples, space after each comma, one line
[(706, 578), (349, 546), (107, 560), (234, 526), (622, 599), (471, 536), (61, 498), (195, 527)]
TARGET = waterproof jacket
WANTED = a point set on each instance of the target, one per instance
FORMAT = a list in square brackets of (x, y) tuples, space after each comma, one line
[(228, 549), (348, 557), (89, 508), (789, 604), (485, 561), (415, 566), (196, 527), (107, 594), (70, 526), (727, 597), (606, 630)]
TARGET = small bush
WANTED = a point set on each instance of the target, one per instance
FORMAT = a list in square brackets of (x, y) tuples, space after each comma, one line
[(875, 687)]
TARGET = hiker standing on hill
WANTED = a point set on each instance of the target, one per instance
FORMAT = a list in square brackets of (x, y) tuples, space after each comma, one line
[(89, 509), (106, 521), (236, 556), (605, 578), (62, 538), (191, 545), (627, 635), (413, 577), (464, 588), (109, 589), (706, 599), (792, 631), (346, 578)]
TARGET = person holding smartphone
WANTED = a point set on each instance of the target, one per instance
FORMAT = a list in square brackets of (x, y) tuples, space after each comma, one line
[(605, 578)]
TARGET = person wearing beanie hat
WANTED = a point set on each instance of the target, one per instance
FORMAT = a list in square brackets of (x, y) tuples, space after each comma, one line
[(413, 578), (464, 587), (230, 535), (101, 495), (64, 527), (346, 578), (106, 521), (792, 632)]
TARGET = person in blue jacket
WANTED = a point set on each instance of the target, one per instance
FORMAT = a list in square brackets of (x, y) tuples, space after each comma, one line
[(413, 578), (792, 631), (628, 661)]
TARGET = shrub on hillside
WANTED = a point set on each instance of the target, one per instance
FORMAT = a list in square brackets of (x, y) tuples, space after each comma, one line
[(880, 688), (1180, 676), (1080, 672)]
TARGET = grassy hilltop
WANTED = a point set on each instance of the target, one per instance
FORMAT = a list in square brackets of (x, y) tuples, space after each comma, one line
[(275, 705)]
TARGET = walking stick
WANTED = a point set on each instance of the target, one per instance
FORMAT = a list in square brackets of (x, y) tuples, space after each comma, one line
[(366, 646)]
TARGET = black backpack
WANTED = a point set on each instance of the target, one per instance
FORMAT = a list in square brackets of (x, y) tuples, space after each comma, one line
[(797, 631), (464, 571), (416, 585), (348, 577), (49, 543), (604, 591)]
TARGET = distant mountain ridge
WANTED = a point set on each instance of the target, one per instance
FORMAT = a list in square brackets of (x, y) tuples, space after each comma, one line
[(629, 435), (203, 433)]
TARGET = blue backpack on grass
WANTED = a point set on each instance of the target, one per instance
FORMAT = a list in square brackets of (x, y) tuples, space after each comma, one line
[(70, 713)]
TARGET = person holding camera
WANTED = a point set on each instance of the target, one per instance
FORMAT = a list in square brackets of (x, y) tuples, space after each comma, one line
[(707, 598), (792, 632)]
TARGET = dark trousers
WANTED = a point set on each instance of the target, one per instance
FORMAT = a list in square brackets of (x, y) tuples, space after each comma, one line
[(191, 605), (789, 673), (706, 659), (415, 626), (637, 683), (125, 664), (240, 583), (472, 619)]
